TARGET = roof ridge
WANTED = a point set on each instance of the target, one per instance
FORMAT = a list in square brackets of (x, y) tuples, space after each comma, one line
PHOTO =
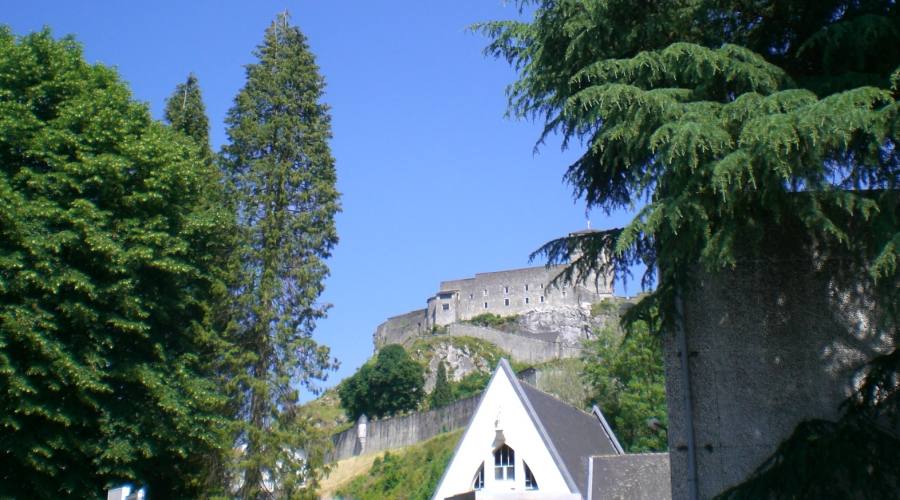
[(558, 399)]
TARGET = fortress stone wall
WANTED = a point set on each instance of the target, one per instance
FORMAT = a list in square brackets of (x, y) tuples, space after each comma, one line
[(504, 293), (524, 348), (398, 329), (398, 432)]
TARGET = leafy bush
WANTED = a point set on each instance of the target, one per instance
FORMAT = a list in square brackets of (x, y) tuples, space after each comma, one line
[(625, 377), (470, 385), (491, 320)]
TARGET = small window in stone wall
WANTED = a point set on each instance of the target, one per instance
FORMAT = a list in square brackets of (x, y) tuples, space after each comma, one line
[(485, 305), (526, 300), (506, 289), (506, 302), (445, 307), (542, 286), (471, 296), (564, 293), (542, 299), (484, 292)]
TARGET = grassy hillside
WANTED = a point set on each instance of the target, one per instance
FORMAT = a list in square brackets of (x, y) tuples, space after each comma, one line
[(327, 412), (408, 474)]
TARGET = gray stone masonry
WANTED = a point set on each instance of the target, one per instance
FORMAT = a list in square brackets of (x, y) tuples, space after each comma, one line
[(505, 293), (398, 329), (527, 349), (398, 432), (769, 344)]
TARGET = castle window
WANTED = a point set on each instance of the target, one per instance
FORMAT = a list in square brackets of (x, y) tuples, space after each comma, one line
[(445, 307), (471, 296), (530, 482), (526, 300), (485, 305), (445, 296), (542, 299), (506, 302), (484, 292), (542, 286), (478, 481), (506, 289), (504, 463), (564, 293), (526, 287)]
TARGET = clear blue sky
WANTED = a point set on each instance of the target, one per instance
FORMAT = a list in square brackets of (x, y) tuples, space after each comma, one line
[(437, 184)]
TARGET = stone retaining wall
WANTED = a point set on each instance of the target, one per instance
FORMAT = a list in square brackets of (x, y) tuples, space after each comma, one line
[(398, 432)]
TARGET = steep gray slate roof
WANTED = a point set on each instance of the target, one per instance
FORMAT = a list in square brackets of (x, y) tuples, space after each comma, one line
[(571, 435), (643, 476)]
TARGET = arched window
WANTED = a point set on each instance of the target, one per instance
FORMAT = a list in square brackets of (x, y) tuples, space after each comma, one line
[(504, 463), (530, 482), (478, 481)]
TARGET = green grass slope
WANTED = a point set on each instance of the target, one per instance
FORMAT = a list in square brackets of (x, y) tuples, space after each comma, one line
[(409, 474)]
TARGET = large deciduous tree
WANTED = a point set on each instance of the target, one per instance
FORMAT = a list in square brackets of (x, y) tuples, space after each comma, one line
[(624, 375), (282, 172), (109, 270), (718, 120), (392, 384)]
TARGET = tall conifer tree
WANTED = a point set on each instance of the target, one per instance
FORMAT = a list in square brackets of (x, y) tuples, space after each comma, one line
[(283, 174), (186, 113)]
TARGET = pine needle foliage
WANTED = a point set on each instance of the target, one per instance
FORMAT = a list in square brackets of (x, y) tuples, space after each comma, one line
[(718, 120), (186, 113), (282, 172), (442, 394), (109, 276)]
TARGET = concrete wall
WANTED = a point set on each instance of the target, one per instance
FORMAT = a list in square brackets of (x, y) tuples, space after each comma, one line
[(397, 432), (634, 476), (507, 293), (769, 344), (521, 347)]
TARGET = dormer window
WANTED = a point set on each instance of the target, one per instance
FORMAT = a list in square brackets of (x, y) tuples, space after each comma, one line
[(504, 464), (478, 481), (530, 482)]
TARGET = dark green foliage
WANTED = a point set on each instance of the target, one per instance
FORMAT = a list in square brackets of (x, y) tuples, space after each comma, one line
[(109, 275), (411, 474), (724, 119), (626, 379), (867, 453), (282, 172), (186, 113), (470, 385), (442, 395), (391, 385)]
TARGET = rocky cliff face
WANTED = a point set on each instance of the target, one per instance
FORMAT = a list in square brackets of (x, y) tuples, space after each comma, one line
[(459, 360)]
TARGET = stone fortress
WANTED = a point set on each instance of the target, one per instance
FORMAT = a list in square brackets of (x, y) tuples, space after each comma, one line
[(502, 293)]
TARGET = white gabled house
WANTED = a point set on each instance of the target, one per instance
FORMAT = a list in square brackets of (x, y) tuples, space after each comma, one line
[(523, 443)]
